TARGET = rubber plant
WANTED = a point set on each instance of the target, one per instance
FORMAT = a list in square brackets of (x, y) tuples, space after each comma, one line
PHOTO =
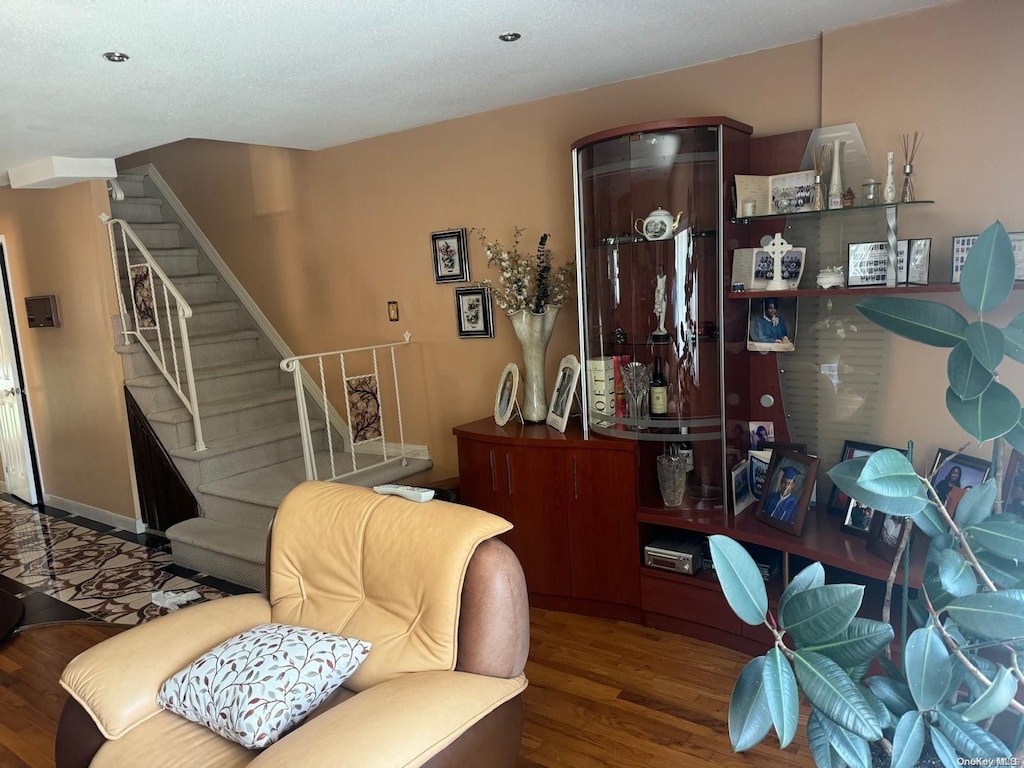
[(959, 670)]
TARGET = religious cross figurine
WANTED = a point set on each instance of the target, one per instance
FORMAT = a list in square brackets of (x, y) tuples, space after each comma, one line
[(777, 248), (660, 335)]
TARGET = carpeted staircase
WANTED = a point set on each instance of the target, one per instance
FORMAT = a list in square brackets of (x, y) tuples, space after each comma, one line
[(246, 403)]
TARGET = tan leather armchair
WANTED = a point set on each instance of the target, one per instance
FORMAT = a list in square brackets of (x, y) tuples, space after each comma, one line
[(441, 599)]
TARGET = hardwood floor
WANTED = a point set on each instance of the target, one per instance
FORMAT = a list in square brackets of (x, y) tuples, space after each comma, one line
[(602, 693), (30, 695)]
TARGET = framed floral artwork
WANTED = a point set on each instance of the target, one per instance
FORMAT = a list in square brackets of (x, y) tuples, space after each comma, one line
[(451, 256), (473, 313)]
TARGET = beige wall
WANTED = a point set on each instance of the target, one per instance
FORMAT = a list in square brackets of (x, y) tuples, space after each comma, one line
[(323, 239), (56, 244)]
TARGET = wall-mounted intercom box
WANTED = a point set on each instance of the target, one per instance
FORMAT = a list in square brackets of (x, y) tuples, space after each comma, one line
[(42, 311)]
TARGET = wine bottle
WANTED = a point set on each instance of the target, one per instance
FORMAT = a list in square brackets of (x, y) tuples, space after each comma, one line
[(659, 390)]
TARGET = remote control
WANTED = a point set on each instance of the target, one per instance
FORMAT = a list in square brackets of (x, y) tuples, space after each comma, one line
[(405, 491)]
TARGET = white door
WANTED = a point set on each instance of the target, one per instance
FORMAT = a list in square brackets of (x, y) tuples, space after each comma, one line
[(15, 451)]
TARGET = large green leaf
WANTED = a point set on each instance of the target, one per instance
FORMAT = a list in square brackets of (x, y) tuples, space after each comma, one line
[(851, 748), (817, 739), (942, 747), (830, 689), (957, 577), (976, 504), (969, 739), (938, 545), (928, 667), (780, 689), (1003, 535), (845, 475), (987, 343), (994, 413), (740, 579), (821, 613), (989, 614), (930, 520), (862, 641), (889, 473), (1003, 571), (894, 694), (749, 718), (811, 576), (995, 699), (928, 322), (1013, 333), (968, 378), (908, 741), (987, 276)]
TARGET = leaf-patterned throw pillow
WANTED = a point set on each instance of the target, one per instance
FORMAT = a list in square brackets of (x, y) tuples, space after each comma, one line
[(255, 686)]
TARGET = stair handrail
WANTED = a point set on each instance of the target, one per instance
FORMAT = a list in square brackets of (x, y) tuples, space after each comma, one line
[(183, 311), (292, 365)]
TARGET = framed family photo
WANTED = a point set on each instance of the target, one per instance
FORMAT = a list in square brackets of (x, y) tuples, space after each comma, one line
[(451, 256), (884, 535), (505, 397), (561, 396), (473, 313), (858, 518), (953, 474), (742, 495), (788, 489)]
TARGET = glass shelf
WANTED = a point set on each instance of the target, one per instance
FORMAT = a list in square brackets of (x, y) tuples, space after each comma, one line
[(828, 212)]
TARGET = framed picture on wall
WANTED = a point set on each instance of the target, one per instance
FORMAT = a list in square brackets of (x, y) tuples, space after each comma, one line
[(451, 256), (473, 313)]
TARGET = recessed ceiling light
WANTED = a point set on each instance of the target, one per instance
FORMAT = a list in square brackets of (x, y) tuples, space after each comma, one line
[(509, 37), (115, 56)]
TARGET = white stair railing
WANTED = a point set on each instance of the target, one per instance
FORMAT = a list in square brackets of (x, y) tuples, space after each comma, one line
[(156, 305), (363, 425)]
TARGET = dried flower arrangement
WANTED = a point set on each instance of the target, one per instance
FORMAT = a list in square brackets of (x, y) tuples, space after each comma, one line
[(526, 282)]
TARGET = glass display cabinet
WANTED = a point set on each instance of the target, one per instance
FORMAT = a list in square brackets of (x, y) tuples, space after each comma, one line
[(654, 222)]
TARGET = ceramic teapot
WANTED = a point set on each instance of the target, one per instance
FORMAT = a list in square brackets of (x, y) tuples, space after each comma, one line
[(659, 225)]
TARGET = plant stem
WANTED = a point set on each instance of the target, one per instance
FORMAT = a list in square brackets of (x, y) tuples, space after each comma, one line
[(908, 526), (1015, 705), (967, 552)]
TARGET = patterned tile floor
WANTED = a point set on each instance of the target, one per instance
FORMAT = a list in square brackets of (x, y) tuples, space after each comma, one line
[(66, 568)]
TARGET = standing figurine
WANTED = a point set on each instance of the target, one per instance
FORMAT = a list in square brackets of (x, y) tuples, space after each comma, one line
[(660, 335)]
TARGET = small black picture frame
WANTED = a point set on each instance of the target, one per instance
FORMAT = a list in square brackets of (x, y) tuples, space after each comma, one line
[(787, 491), (839, 502), (473, 313), (451, 256), (884, 536)]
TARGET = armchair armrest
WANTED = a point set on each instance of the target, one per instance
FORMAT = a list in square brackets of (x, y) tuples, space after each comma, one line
[(117, 681), (402, 722)]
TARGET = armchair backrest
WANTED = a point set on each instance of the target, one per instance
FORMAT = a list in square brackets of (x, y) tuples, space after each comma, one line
[(346, 560)]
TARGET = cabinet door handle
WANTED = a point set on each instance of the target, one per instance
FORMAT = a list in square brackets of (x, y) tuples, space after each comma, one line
[(575, 482), (494, 474), (508, 472)]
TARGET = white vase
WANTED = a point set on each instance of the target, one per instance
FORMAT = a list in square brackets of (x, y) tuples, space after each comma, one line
[(889, 188), (533, 330), (835, 184)]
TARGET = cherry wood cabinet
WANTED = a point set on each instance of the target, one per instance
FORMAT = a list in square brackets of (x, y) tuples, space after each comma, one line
[(573, 504)]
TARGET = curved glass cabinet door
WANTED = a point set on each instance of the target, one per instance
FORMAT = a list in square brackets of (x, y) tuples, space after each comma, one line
[(652, 224)]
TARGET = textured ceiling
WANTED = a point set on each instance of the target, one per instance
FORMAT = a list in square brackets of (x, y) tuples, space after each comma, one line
[(310, 74)]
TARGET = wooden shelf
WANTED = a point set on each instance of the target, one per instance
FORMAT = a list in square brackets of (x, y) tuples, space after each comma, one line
[(822, 539)]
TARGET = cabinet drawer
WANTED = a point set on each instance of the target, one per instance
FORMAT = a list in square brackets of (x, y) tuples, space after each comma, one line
[(695, 603)]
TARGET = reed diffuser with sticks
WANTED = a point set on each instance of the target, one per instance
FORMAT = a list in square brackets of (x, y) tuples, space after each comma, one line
[(822, 156), (910, 145)]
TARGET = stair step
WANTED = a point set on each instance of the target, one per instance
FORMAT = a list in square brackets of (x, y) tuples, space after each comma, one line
[(244, 452), (136, 210), (207, 317), (212, 383), (223, 418), (224, 550), (207, 349), (133, 184), (159, 235), (175, 262)]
